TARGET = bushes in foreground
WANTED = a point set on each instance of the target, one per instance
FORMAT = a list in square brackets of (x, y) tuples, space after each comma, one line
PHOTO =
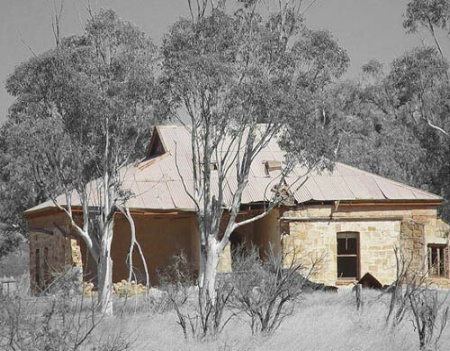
[(58, 321), (264, 296), (260, 293)]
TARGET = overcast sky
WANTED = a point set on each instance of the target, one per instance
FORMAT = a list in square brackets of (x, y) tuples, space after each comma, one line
[(365, 28)]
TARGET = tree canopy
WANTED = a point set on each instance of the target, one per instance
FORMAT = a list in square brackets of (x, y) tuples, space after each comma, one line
[(83, 110), (231, 72), (62, 99)]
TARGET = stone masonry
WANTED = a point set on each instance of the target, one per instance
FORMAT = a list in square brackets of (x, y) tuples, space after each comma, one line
[(307, 233), (52, 251), (311, 232)]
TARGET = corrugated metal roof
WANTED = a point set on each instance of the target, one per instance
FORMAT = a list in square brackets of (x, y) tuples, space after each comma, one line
[(160, 183)]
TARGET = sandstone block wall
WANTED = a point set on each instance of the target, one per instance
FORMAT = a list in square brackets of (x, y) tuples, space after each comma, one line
[(413, 245), (312, 232), (51, 249), (317, 242)]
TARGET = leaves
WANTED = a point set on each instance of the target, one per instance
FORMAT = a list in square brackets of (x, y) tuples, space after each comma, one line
[(387, 120), (93, 91), (323, 60), (427, 13)]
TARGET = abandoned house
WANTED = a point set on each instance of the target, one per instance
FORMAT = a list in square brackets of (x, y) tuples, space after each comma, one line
[(349, 218)]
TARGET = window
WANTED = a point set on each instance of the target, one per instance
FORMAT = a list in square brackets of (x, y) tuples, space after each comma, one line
[(437, 260), (272, 165), (37, 265), (347, 255), (47, 275), (237, 247)]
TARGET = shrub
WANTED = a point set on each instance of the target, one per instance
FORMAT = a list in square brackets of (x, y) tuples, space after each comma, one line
[(412, 297), (60, 322), (178, 281), (266, 290)]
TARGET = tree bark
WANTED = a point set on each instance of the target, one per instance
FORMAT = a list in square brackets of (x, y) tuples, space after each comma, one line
[(210, 259), (105, 265)]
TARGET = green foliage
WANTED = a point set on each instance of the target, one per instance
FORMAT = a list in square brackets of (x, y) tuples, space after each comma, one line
[(17, 192)]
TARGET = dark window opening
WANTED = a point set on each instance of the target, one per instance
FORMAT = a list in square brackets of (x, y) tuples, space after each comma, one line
[(347, 256), (437, 260), (238, 250), (157, 147), (47, 273), (37, 265)]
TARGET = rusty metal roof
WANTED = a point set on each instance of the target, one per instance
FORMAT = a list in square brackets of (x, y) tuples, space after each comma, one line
[(162, 182)]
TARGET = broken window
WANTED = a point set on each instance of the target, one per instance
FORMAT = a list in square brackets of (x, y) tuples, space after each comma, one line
[(437, 260), (347, 255)]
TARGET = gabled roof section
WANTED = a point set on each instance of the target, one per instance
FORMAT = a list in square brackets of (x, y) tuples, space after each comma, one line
[(161, 181), (156, 146)]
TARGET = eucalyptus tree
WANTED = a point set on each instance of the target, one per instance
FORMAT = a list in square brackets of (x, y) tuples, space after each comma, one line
[(398, 120), (83, 110), (230, 72), (430, 15)]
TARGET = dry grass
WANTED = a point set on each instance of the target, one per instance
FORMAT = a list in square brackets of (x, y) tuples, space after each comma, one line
[(323, 321)]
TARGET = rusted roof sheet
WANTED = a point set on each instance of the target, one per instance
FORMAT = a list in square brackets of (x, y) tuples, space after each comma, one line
[(163, 182)]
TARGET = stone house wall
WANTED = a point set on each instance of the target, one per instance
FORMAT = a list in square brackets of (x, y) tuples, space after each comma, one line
[(316, 242), (312, 232), (52, 250), (412, 245), (307, 232)]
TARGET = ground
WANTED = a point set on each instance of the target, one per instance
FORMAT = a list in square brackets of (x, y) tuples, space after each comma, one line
[(322, 321)]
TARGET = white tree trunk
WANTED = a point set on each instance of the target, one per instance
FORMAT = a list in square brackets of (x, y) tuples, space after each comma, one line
[(105, 272), (210, 259)]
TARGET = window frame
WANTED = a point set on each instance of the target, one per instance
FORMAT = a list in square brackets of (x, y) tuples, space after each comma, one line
[(357, 255), (442, 261)]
